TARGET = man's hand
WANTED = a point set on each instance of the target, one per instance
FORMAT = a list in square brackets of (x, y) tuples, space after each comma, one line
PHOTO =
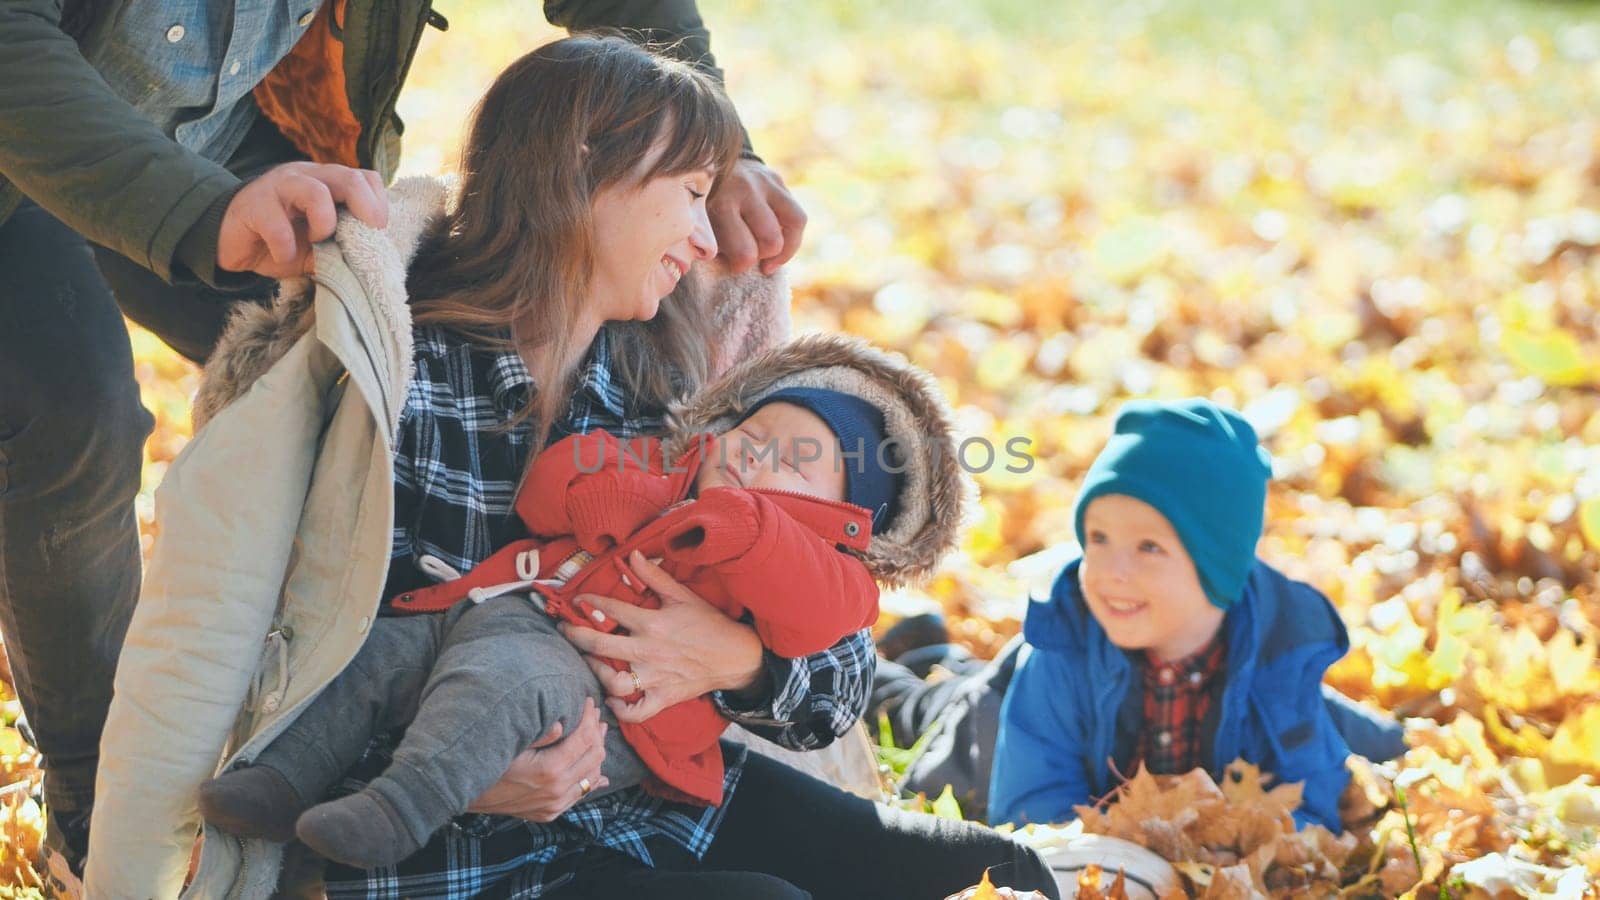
[(685, 649), (755, 218), (547, 778), (272, 222)]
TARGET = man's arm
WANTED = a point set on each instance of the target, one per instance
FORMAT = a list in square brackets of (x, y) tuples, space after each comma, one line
[(674, 25), (72, 145), (754, 216)]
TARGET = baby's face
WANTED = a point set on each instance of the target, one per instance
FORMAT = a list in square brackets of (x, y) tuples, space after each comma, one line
[(1139, 581), (782, 447)]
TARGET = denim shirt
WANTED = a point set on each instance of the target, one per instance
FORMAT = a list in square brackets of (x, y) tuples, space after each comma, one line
[(189, 65)]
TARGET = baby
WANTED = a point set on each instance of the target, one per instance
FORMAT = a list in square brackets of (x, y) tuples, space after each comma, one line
[(832, 468)]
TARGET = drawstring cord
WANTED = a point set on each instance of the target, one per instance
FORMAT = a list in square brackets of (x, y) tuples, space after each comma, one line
[(275, 655), (527, 575), (436, 568)]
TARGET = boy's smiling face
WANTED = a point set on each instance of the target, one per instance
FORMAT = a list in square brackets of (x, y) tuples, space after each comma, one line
[(1139, 581)]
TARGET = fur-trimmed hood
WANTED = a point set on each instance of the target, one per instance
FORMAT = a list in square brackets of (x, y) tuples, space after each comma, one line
[(936, 495)]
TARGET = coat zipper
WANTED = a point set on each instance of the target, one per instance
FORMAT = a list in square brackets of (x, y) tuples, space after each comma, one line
[(243, 878), (836, 505), (804, 496), (281, 636)]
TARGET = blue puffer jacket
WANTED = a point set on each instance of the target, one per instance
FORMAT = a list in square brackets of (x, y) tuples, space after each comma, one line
[(1076, 703)]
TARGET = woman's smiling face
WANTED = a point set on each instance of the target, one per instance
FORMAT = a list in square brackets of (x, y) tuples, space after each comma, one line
[(646, 236)]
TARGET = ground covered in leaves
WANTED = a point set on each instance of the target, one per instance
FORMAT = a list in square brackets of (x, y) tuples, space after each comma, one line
[(1376, 231)]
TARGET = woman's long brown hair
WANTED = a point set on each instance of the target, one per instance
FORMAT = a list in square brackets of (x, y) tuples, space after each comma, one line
[(517, 252)]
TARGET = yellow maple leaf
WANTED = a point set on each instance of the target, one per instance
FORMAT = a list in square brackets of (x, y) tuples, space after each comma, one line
[(1577, 740), (1525, 740), (1554, 357), (1244, 785), (1572, 664), (1589, 521)]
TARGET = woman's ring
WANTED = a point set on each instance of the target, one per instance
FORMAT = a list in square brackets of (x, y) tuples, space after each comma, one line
[(637, 687), (585, 786)]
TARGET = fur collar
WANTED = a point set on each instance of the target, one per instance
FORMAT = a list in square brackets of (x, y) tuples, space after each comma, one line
[(936, 494)]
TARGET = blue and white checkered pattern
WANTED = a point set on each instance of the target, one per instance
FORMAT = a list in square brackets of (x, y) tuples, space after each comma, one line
[(456, 472)]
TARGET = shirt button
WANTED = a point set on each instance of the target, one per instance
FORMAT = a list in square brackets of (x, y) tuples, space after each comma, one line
[(306, 19), (1166, 676), (175, 34), (234, 69), (361, 626), (1164, 738), (1194, 677)]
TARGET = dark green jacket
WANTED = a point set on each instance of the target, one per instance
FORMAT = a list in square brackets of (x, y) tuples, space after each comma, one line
[(70, 144)]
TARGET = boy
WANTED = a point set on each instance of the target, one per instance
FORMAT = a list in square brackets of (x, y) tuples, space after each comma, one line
[(1168, 644)]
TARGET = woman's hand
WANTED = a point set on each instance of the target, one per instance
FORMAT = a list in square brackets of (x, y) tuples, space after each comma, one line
[(683, 650), (546, 779)]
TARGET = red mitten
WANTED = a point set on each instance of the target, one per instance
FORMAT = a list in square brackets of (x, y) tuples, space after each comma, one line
[(541, 501), (722, 525), (606, 508)]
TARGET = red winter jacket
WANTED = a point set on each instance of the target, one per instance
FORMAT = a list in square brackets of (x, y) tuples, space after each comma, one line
[(774, 554)]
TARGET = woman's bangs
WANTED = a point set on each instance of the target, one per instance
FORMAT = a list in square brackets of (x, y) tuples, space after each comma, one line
[(702, 133)]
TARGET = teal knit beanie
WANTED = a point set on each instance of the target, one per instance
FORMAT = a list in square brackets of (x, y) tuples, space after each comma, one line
[(1199, 465)]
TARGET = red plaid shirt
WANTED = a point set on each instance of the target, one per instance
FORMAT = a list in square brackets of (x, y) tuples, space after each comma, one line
[(1178, 696)]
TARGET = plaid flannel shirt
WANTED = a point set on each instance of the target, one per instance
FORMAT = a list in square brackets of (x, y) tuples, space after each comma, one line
[(1178, 696), (455, 480)]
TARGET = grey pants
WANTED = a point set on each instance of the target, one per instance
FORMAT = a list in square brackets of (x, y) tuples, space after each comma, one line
[(472, 688)]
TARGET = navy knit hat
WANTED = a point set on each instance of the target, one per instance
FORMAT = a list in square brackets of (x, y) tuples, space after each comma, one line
[(858, 425), (1199, 465)]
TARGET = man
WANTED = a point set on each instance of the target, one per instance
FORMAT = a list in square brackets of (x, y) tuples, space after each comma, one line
[(163, 161)]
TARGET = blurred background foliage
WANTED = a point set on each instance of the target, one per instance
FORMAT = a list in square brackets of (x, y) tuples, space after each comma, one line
[(1373, 227)]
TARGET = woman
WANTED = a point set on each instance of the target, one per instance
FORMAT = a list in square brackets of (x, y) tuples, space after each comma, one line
[(582, 204)]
